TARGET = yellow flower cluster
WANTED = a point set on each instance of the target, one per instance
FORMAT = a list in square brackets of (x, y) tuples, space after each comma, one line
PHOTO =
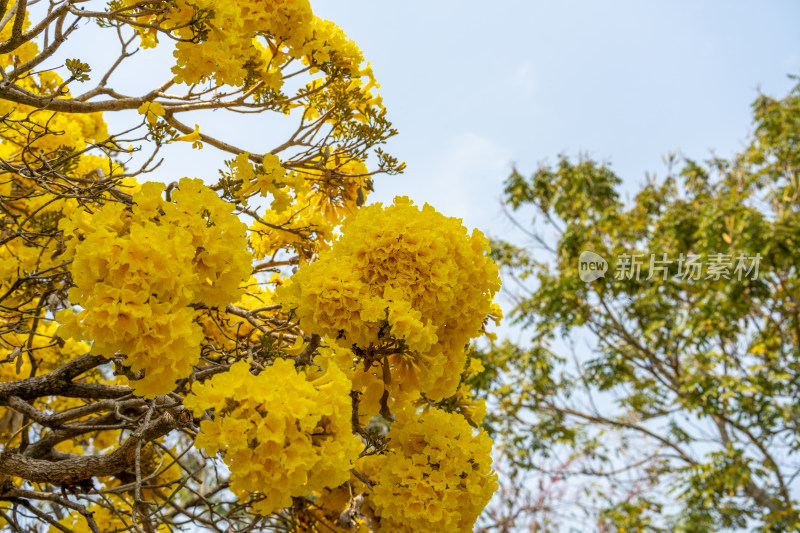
[(242, 41), (136, 273), (15, 363), (106, 517), (394, 290), (368, 381), (282, 434), (321, 202), (397, 297), (370, 384), (21, 197), (31, 136), (437, 476), (266, 178), (51, 130), (22, 53), (47, 140), (325, 514)]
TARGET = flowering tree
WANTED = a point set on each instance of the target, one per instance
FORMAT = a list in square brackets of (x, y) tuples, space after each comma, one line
[(161, 368), (680, 413)]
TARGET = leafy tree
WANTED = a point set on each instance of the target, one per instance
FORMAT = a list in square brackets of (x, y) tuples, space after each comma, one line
[(668, 396), (255, 352)]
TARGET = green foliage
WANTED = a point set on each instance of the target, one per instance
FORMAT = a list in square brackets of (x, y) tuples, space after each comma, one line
[(681, 413), (78, 70)]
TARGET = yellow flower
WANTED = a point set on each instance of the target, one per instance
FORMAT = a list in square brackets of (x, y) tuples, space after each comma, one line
[(437, 476), (136, 274), (408, 281), (193, 137), (283, 434), (151, 111), (266, 179)]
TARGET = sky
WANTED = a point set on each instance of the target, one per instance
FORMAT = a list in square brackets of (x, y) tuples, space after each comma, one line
[(475, 88)]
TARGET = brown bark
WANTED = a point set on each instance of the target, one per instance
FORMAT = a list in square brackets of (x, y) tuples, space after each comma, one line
[(69, 469), (59, 382)]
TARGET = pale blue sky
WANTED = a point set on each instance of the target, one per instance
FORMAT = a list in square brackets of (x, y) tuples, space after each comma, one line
[(475, 87)]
